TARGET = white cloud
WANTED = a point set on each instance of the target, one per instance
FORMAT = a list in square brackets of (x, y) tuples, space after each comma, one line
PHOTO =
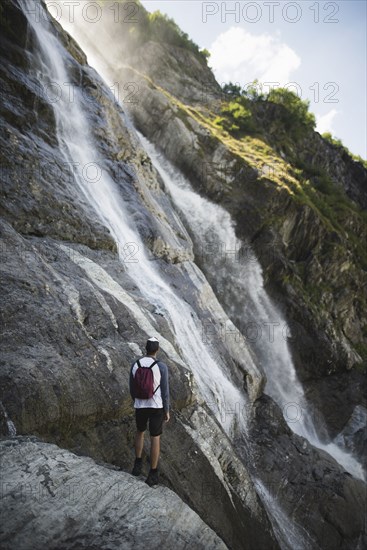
[(324, 123), (240, 56)]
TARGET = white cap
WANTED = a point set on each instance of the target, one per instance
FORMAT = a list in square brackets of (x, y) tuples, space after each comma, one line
[(152, 339)]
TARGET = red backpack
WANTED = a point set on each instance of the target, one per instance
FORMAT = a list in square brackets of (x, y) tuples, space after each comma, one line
[(144, 381)]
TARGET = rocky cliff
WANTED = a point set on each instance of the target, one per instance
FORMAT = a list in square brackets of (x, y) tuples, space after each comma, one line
[(298, 199), (76, 314)]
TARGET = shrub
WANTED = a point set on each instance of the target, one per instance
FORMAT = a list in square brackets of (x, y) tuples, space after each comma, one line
[(252, 91), (231, 90), (236, 117), (296, 115)]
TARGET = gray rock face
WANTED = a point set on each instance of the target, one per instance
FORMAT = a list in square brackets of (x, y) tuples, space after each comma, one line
[(195, 85), (316, 152), (52, 498), (314, 492), (353, 436)]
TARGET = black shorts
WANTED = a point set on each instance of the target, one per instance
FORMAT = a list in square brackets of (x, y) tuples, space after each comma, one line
[(155, 417)]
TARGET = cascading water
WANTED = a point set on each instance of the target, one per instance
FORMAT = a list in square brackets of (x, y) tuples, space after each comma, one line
[(9, 423), (239, 277), (290, 535), (238, 282), (73, 133)]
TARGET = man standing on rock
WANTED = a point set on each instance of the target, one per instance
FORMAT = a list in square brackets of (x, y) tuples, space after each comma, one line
[(150, 390)]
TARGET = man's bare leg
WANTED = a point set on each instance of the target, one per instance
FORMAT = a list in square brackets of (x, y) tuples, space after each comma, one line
[(154, 450), (139, 444)]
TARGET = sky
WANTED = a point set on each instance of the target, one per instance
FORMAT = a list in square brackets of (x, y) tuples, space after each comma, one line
[(315, 48)]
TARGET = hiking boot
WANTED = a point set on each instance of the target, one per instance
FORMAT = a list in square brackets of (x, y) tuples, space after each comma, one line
[(137, 467), (153, 478)]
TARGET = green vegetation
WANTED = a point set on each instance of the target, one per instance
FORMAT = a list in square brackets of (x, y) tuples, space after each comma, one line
[(293, 119), (335, 209), (205, 53), (337, 143), (251, 92), (236, 117), (237, 113), (297, 109), (231, 90)]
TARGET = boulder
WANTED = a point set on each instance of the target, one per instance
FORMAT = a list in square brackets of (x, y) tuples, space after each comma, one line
[(55, 499)]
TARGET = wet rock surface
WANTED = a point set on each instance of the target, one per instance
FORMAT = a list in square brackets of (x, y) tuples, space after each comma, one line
[(306, 483)]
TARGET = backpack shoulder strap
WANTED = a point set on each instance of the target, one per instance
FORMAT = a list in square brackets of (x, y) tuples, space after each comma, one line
[(138, 363), (152, 365)]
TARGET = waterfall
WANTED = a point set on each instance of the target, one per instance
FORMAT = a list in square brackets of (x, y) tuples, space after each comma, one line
[(12, 431), (78, 147), (290, 535), (79, 150), (236, 274)]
